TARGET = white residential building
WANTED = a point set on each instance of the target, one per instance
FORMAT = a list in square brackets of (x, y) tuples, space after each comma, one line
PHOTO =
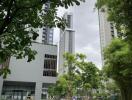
[(31, 79), (107, 31), (67, 42)]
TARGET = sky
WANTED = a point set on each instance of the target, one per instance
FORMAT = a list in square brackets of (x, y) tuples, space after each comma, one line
[(86, 26)]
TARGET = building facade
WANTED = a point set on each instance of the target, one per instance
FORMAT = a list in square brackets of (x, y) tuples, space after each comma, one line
[(45, 33), (67, 42), (31, 79), (107, 31)]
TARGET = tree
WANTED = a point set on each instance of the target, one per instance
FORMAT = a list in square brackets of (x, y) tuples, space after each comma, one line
[(80, 76), (19, 21), (118, 54), (90, 79), (64, 88), (86, 74), (107, 88), (59, 90), (118, 65)]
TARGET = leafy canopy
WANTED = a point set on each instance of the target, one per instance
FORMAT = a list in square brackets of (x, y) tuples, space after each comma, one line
[(80, 75), (19, 23), (118, 61), (20, 18), (118, 55)]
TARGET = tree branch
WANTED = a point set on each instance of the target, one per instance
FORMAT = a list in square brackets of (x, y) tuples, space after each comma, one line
[(7, 19), (33, 6)]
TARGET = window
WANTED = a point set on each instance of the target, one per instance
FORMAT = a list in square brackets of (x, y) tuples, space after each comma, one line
[(50, 73), (50, 65), (44, 28), (112, 34), (50, 56), (69, 21), (44, 96), (51, 31), (51, 35)]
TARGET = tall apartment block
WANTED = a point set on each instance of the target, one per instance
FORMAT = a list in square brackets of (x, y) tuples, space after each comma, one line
[(45, 33), (30, 79), (67, 42), (107, 30)]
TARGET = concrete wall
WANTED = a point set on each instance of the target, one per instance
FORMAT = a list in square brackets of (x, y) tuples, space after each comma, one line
[(24, 71)]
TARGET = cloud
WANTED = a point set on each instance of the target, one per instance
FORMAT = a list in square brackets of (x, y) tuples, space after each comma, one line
[(86, 28), (92, 53), (87, 31)]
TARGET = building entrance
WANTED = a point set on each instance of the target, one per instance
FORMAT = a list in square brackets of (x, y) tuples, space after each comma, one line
[(17, 90), (14, 95)]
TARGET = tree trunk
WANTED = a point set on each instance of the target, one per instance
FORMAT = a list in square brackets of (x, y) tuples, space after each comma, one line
[(126, 93)]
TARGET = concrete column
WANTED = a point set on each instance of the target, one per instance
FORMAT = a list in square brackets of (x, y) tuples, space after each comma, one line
[(38, 90), (1, 85)]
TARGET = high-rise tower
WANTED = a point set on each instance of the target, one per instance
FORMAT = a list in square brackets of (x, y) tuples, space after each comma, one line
[(107, 30), (67, 41), (47, 33)]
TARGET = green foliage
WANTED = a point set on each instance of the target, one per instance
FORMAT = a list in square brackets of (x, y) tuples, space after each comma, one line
[(4, 72), (107, 88), (112, 87), (20, 20), (118, 54), (81, 75), (118, 65), (87, 71), (90, 74), (118, 60), (60, 88), (63, 88)]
